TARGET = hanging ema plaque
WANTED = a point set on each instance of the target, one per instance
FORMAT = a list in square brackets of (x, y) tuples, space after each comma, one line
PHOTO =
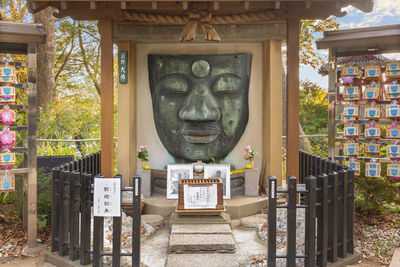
[(123, 66)]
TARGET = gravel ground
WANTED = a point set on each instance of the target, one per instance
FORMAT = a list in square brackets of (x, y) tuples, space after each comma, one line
[(377, 237)]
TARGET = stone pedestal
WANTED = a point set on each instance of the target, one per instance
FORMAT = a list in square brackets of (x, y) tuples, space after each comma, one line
[(146, 182), (251, 180)]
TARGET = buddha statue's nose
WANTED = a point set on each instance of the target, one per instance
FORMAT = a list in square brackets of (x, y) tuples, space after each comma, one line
[(200, 105)]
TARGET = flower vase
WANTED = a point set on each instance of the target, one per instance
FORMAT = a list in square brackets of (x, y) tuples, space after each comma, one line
[(143, 164), (252, 163)]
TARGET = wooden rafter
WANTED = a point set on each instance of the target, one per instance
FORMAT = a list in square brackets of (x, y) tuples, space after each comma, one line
[(97, 9)]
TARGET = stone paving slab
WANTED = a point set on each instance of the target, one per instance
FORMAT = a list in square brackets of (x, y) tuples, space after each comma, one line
[(395, 259), (202, 260), (201, 229), (183, 243), (210, 219)]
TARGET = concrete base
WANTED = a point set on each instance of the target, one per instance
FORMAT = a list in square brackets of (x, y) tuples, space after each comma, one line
[(350, 259), (201, 260), (57, 260), (237, 207), (30, 252)]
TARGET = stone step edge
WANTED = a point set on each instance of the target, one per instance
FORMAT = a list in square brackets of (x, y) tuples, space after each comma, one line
[(222, 252), (201, 229)]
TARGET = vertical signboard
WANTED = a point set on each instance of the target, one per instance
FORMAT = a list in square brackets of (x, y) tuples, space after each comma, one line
[(123, 66)]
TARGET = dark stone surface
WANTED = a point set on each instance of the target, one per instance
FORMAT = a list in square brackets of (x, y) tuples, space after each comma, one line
[(200, 103)]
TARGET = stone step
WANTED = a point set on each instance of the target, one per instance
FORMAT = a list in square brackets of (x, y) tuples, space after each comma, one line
[(202, 260), (201, 229), (190, 243), (206, 219)]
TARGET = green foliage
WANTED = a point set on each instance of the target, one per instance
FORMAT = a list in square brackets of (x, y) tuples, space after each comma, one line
[(143, 153), (373, 195), (313, 105), (44, 198), (71, 117), (309, 32)]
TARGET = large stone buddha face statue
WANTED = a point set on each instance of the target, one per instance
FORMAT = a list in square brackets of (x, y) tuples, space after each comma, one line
[(200, 102)]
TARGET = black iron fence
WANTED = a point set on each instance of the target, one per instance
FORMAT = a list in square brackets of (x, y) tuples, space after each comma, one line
[(72, 202), (329, 212)]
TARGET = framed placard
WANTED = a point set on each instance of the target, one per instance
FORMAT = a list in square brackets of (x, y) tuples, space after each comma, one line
[(123, 67), (223, 172), (175, 173), (107, 197), (200, 196)]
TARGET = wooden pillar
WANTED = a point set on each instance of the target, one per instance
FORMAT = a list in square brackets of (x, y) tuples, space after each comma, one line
[(292, 94), (32, 161), (332, 74), (107, 97), (127, 144), (272, 109)]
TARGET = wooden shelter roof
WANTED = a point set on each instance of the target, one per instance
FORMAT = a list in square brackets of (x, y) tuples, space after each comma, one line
[(15, 36), (362, 41), (130, 10)]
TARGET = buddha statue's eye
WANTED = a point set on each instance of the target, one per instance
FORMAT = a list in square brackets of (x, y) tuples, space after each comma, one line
[(174, 84), (226, 84)]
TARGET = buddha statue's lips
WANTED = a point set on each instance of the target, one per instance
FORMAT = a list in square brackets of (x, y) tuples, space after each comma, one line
[(201, 135)]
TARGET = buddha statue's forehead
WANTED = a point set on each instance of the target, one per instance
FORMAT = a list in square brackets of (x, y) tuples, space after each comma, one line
[(185, 64)]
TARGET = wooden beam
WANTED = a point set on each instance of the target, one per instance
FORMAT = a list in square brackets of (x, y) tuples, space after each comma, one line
[(33, 5), (32, 160), (154, 5), (332, 78), (216, 5), (246, 4), (92, 4), (185, 5), (277, 4), (127, 135), (63, 5), (107, 97), (123, 4), (272, 109), (308, 4), (292, 94)]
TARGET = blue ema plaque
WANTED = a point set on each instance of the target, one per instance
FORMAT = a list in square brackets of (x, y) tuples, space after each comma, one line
[(123, 66)]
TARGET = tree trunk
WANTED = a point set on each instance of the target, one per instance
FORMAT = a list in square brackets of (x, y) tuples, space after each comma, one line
[(46, 58)]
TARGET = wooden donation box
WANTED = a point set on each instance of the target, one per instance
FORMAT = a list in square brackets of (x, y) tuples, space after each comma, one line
[(200, 195)]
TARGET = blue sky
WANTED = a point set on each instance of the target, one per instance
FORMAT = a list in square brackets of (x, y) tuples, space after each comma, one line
[(386, 12)]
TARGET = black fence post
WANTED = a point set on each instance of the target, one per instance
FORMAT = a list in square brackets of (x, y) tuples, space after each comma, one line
[(324, 166), (79, 168), (55, 199), (318, 168), (136, 221), (350, 215), (322, 215), (116, 251), (99, 162), (85, 219), (344, 214), (301, 169), (311, 183), (63, 211), (291, 223), (75, 202), (333, 216), (272, 185)]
